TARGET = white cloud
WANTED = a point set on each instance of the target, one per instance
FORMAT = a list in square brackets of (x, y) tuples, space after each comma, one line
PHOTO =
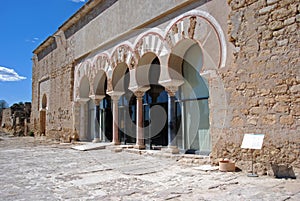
[(33, 40), (7, 74), (78, 1)]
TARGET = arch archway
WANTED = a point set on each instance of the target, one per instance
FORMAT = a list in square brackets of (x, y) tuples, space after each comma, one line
[(155, 104), (126, 105), (84, 88), (186, 59)]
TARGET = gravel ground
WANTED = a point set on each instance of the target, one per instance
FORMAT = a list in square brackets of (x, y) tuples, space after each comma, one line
[(37, 169)]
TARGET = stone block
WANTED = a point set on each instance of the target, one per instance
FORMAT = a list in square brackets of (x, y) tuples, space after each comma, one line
[(269, 2), (267, 35), (269, 119), (252, 120), (280, 14), (237, 121), (283, 171), (281, 89), (291, 28), (282, 42), (264, 92), (295, 110), (251, 46), (295, 89), (283, 98), (298, 18), (278, 33), (236, 4), (287, 120), (284, 3), (275, 25), (256, 110), (281, 108), (266, 10), (289, 21)]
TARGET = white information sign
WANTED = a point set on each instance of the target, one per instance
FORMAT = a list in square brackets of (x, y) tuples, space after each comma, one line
[(252, 141)]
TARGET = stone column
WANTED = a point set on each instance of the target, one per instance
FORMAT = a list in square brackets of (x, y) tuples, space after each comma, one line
[(102, 125), (115, 99), (83, 119), (97, 124), (139, 120), (172, 145), (97, 100)]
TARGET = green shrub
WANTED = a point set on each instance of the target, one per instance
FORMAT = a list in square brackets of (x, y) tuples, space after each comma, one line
[(31, 134)]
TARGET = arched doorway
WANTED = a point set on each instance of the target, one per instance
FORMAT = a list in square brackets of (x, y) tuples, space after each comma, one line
[(127, 113), (43, 115), (185, 63), (100, 109), (155, 109), (106, 117), (123, 105), (194, 95)]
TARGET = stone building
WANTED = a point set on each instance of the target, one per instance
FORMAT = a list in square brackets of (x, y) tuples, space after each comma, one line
[(190, 75)]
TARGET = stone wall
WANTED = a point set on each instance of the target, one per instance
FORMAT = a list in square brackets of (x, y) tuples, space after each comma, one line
[(53, 77), (16, 119), (6, 118), (263, 83)]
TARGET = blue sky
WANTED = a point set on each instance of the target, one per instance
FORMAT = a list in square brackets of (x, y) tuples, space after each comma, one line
[(24, 25)]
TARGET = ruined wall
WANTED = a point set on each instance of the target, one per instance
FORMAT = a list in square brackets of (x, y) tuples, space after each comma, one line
[(263, 83), (53, 77), (6, 118), (16, 119)]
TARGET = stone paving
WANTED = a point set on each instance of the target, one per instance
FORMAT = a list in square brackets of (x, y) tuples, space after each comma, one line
[(33, 169)]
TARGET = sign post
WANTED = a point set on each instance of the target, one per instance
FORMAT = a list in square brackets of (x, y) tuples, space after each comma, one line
[(252, 141)]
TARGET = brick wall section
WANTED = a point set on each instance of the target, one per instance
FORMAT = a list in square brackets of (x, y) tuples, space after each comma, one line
[(263, 83)]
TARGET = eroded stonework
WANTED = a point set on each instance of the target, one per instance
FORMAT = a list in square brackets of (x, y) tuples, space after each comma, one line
[(263, 82)]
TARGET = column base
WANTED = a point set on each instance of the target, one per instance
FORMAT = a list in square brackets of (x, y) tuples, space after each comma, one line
[(96, 140), (116, 143), (139, 146), (171, 150)]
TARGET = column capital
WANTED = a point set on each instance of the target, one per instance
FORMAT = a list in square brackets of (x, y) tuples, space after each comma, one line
[(171, 90), (139, 94), (82, 100), (115, 95), (97, 98)]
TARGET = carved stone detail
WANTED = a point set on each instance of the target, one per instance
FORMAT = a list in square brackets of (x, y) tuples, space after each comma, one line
[(171, 90), (139, 94)]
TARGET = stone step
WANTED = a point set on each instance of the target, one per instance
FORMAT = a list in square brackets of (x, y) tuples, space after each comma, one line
[(91, 146)]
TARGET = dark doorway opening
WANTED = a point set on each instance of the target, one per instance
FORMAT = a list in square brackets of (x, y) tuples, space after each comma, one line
[(155, 110)]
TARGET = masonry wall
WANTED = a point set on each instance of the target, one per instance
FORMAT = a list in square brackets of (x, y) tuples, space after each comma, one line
[(6, 118), (263, 83), (53, 77)]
